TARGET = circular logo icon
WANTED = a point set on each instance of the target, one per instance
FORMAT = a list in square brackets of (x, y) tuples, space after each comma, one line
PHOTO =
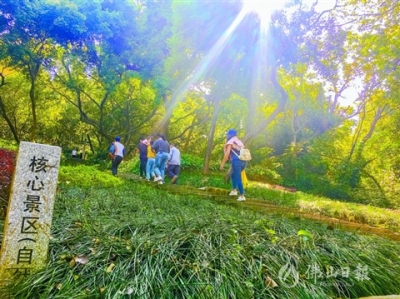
[(288, 276)]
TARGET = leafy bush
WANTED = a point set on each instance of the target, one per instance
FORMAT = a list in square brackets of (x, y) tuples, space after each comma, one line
[(264, 174), (9, 145), (7, 164), (100, 158), (86, 176), (129, 166), (191, 162)]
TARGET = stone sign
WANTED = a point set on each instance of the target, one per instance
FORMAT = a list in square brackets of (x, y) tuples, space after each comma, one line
[(24, 248)]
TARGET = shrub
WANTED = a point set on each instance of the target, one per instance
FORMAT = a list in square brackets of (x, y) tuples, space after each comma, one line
[(86, 176), (191, 162), (129, 166), (7, 163), (264, 174)]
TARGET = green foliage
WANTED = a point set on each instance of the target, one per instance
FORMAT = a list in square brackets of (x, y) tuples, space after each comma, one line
[(130, 166), (141, 242), (264, 174), (101, 158), (10, 145), (191, 162), (86, 176)]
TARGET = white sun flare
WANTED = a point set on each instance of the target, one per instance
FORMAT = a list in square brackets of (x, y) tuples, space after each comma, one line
[(263, 8)]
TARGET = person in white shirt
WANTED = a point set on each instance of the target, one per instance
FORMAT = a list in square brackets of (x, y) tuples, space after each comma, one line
[(174, 163), (118, 150)]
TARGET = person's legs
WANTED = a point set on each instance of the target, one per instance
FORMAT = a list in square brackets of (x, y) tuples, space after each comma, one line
[(157, 165), (237, 176), (142, 169), (163, 163), (114, 165), (175, 170), (150, 168), (170, 170), (234, 182)]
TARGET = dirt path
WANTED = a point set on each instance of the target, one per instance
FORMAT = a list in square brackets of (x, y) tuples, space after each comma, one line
[(220, 195)]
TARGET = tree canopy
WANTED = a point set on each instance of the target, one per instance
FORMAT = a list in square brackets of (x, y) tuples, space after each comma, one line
[(313, 92)]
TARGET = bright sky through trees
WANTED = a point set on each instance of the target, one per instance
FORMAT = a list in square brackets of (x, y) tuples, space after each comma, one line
[(264, 9), (261, 9)]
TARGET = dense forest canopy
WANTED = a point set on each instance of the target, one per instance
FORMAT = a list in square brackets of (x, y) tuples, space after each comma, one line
[(312, 90)]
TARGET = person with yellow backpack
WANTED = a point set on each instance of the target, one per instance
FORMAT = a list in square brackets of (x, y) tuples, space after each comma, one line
[(232, 150)]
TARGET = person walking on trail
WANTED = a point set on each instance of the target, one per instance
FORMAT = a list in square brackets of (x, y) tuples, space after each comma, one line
[(151, 160), (118, 152), (161, 147), (231, 152), (142, 148), (174, 163)]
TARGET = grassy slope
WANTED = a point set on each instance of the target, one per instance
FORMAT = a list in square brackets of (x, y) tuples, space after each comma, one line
[(366, 214), (129, 240)]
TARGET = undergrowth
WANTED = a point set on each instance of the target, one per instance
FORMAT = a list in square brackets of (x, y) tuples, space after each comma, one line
[(137, 241), (120, 239)]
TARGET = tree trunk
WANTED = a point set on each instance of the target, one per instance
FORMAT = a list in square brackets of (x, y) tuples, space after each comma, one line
[(3, 113), (281, 106), (210, 143), (189, 137), (33, 73)]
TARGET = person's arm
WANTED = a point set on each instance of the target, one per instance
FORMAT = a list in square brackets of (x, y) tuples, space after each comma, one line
[(170, 155), (155, 146), (226, 156)]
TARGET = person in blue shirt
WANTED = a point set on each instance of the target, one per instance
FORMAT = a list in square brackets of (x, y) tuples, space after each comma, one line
[(142, 148), (161, 147), (117, 151)]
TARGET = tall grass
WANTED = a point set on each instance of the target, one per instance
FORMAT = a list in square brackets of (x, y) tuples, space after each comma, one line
[(354, 212), (136, 241)]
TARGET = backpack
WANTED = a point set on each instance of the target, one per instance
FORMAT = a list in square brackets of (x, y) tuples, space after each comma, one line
[(244, 154), (111, 151)]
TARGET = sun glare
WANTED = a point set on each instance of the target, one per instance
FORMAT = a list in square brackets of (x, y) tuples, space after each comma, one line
[(263, 8)]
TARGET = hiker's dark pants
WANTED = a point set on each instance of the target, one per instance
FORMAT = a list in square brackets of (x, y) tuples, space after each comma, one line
[(114, 165), (173, 170), (143, 164)]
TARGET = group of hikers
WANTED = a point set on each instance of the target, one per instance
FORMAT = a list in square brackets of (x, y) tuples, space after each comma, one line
[(159, 158)]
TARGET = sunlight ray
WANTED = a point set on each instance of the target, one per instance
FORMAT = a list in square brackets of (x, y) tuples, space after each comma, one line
[(263, 9), (203, 66)]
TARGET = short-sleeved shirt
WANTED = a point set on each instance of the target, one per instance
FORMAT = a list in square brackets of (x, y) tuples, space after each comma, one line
[(142, 151), (174, 156), (150, 152), (160, 145)]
